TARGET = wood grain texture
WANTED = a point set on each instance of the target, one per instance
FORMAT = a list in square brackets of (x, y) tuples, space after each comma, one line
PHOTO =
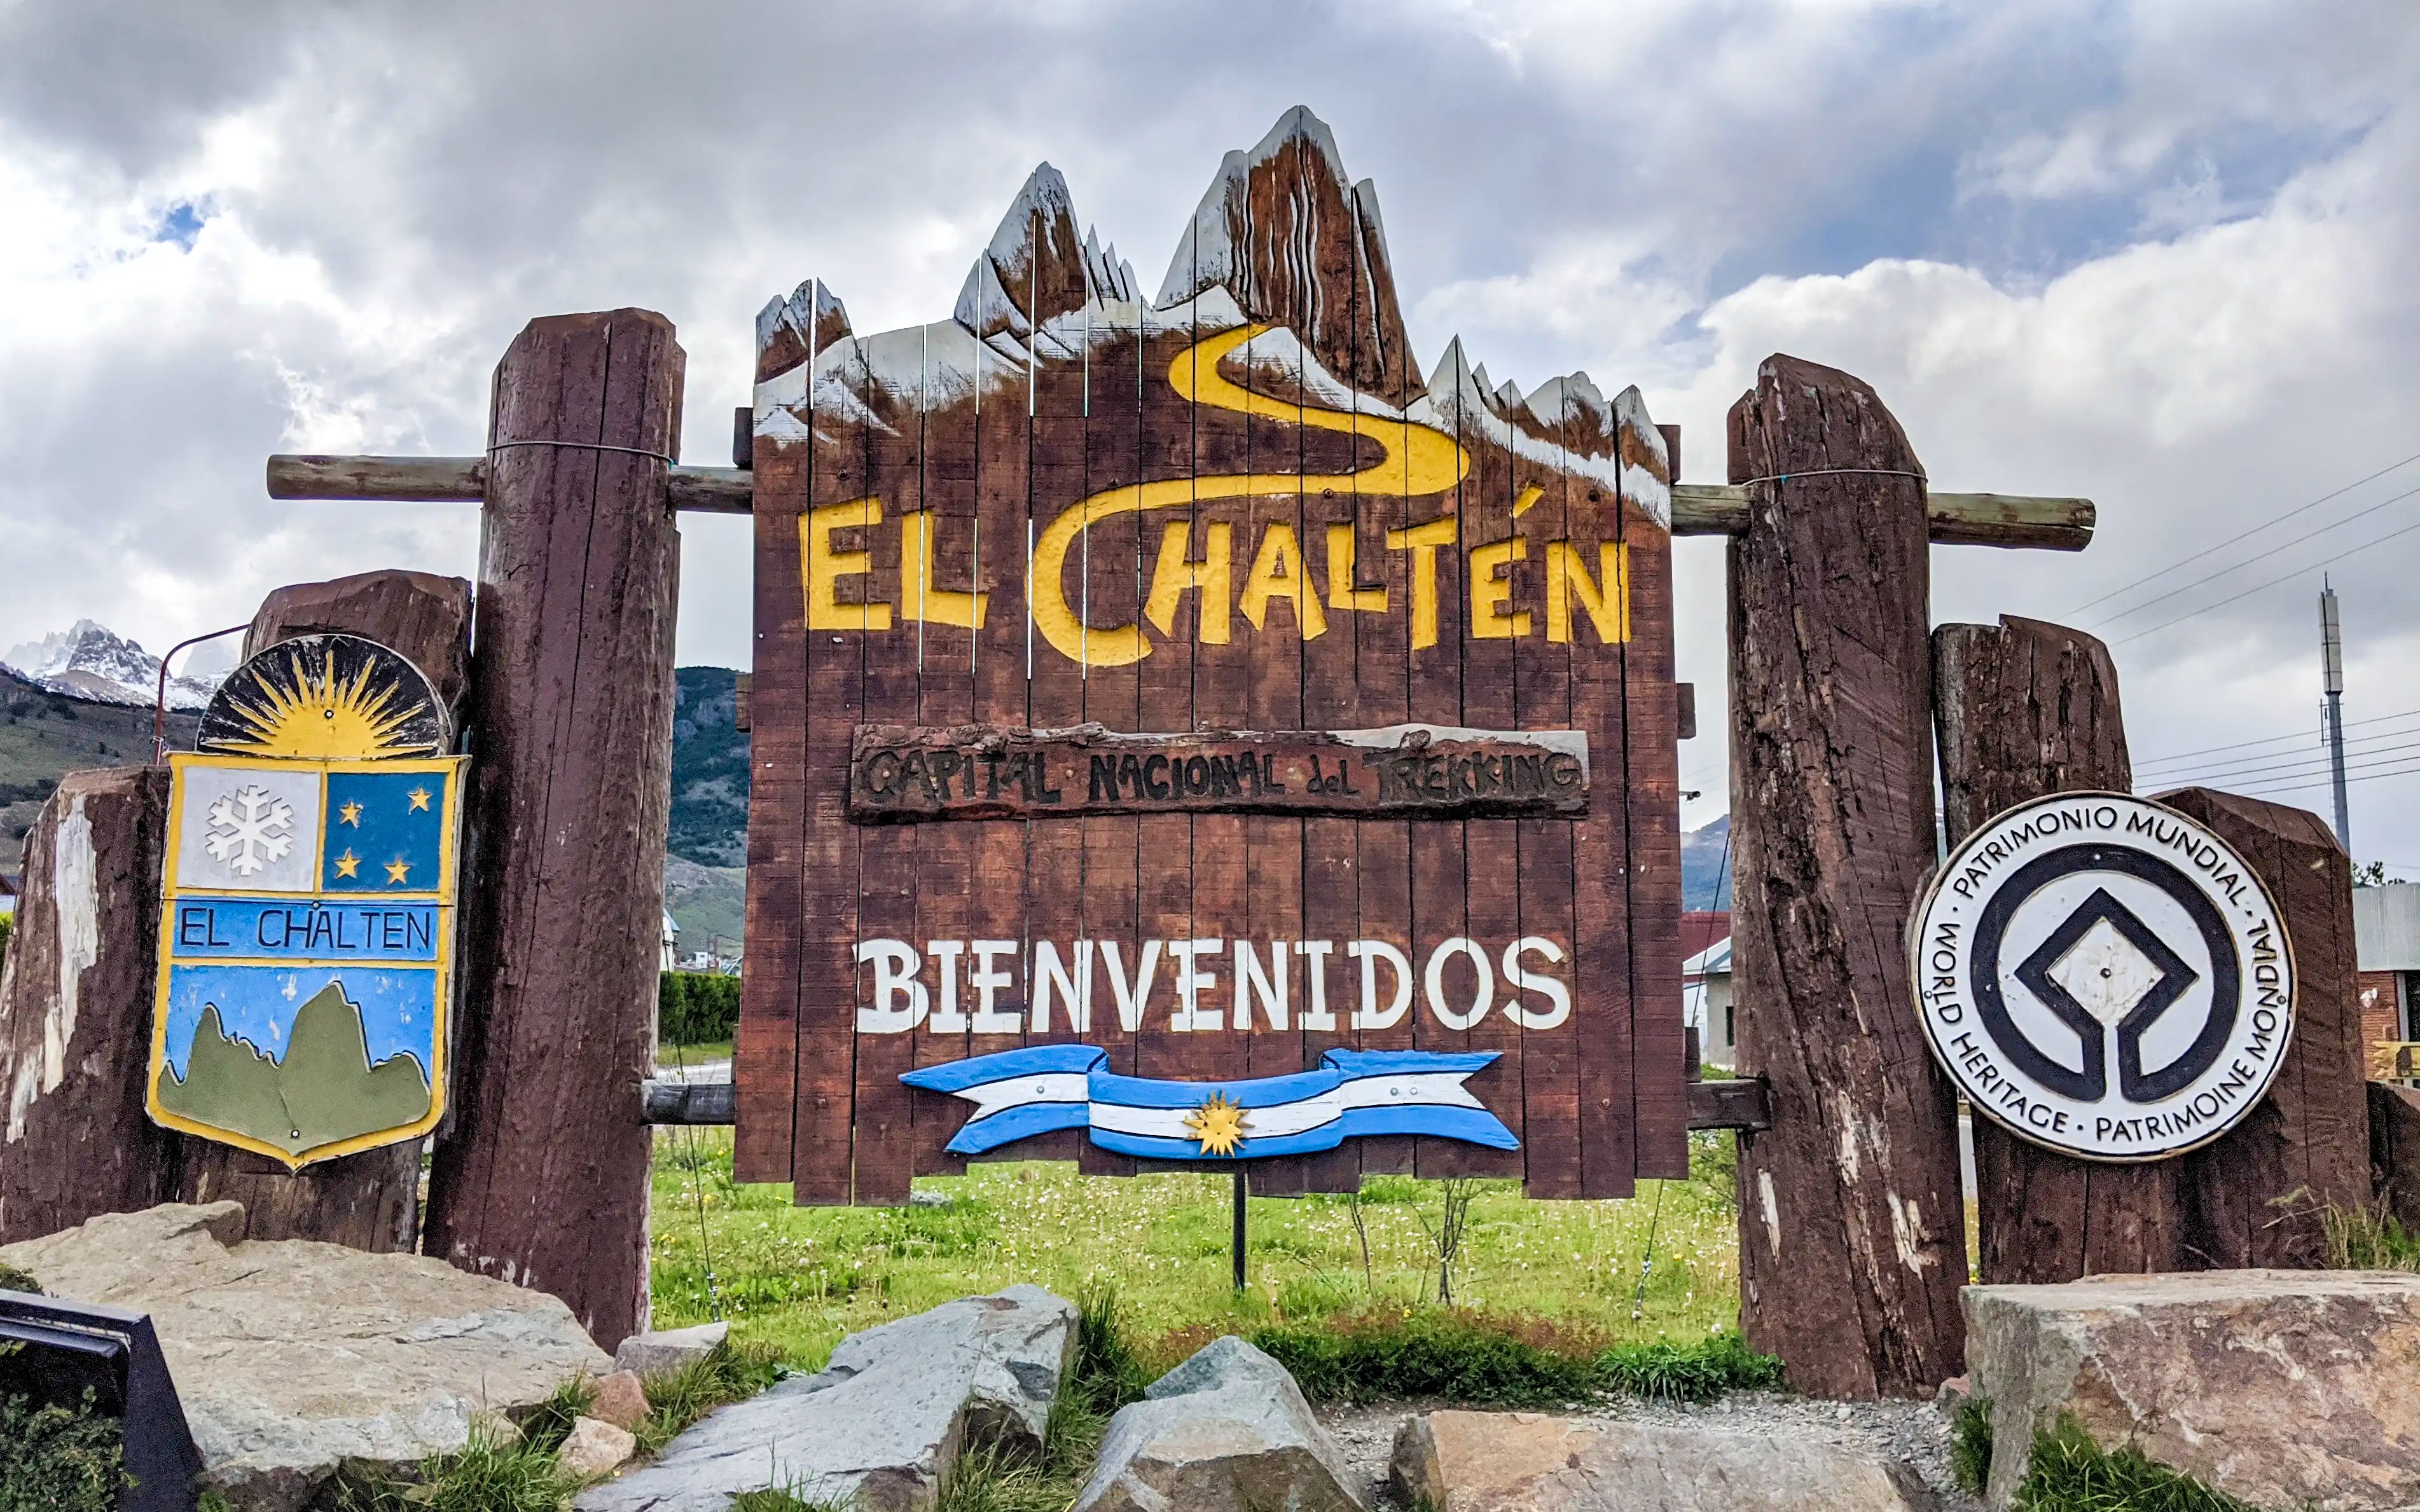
[(2254, 1197), (542, 1176), (75, 1009), (2021, 709), (1852, 1246), (369, 1201)]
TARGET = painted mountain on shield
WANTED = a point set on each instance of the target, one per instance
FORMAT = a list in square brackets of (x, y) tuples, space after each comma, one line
[(324, 1091)]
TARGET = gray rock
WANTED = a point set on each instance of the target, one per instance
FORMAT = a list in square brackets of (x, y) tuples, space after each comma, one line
[(884, 1421), (1226, 1431), (295, 1360), (594, 1447), (1530, 1462), (2284, 1388), (669, 1349)]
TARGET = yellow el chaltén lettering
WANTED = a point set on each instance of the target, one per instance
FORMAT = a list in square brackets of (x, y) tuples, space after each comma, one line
[(1423, 542), (1342, 592), (1606, 597), (1418, 461), (1278, 572), (822, 568), (1489, 590), (918, 599), (1172, 573)]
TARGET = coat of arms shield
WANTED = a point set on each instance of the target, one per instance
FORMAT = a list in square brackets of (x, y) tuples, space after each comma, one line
[(306, 931)]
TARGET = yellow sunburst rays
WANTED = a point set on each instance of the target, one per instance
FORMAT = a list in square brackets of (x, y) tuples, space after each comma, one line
[(1217, 1125), (323, 715)]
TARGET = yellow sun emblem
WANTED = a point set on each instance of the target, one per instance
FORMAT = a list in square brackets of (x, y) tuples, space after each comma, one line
[(313, 713), (1217, 1125)]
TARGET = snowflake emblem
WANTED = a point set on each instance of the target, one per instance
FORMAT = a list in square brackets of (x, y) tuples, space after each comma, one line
[(250, 829)]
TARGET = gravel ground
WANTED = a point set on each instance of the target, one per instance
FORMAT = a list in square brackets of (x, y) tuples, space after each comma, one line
[(1917, 1433)]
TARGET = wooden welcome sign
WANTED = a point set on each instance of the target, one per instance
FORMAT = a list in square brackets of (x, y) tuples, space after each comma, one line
[(1181, 731)]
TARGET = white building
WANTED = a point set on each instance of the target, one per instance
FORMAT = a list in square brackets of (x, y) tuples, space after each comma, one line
[(1706, 1004)]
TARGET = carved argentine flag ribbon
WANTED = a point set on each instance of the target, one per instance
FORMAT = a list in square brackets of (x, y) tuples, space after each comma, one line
[(1353, 1095)]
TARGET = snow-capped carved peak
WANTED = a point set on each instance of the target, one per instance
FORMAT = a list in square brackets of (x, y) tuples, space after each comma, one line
[(789, 331), (1035, 267), (1299, 244), (88, 660)]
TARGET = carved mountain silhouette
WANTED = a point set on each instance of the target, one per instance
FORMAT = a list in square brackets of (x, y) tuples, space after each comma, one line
[(324, 1091)]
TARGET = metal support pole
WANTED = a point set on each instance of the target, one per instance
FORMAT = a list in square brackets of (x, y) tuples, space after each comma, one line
[(2332, 670), (1241, 1187)]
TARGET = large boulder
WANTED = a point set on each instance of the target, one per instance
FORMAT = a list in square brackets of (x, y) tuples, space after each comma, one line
[(883, 1422), (1529, 1463), (1226, 1431), (297, 1360), (2284, 1388)]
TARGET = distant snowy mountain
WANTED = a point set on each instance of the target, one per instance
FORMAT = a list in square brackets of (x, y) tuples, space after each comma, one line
[(91, 661)]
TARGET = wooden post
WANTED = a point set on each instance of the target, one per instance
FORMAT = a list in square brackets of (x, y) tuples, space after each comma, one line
[(2253, 1198), (1851, 1239), (2025, 708), (542, 1176), (75, 1009), (369, 1201)]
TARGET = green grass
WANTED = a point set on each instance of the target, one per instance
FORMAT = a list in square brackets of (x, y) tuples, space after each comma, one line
[(1500, 1360), (2368, 1238), (2068, 1473), (669, 1054), (495, 1473), (1970, 1444), (799, 1279)]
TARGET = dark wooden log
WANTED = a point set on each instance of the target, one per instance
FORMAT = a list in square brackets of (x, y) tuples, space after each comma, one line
[(2025, 708), (1851, 1240), (696, 1103), (1737, 1102), (75, 1009), (2394, 1151), (2254, 1197), (901, 773), (369, 1201), (542, 1176)]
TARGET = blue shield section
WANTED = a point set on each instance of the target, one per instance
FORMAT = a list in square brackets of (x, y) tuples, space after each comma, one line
[(385, 832), (256, 1004)]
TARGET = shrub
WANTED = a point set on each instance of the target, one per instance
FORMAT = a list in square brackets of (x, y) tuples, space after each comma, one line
[(2068, 1473), (57, 1459), (1488, 1360), (696, 1008)]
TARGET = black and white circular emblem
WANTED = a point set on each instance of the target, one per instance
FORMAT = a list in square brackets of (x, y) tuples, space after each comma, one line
[(2103, 976)]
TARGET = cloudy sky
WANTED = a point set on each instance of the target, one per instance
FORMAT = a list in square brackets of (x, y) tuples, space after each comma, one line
[(2159, 254)]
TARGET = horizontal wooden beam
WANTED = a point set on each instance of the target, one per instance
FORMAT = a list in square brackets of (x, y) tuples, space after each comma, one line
[(1720, 1105), (695, 1103), (1698, 508), (1957, 519), (1740, 1103), (464, 480)]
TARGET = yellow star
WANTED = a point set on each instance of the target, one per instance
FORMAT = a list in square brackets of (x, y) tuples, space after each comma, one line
[(397, 870), (419, 798), (349, 865), (1219, 1124), (351, 814)]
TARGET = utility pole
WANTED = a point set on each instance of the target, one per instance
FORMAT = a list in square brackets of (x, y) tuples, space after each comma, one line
[(2332, 666)]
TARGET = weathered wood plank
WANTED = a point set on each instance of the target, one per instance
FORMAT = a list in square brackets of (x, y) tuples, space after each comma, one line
[(1739, 1102), (571, 709), (369, 1201), (1852, 1246), (1951, 518), (2021, 709), (75, 1009), (2254, 1197)]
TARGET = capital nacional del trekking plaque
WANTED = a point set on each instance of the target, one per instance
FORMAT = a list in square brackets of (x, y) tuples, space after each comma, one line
[(2105, 977), (1185, 726)]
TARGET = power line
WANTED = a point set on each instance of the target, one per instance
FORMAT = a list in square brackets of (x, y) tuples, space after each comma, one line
[(2270, 740), (2271, 583), (2293, 772), (2305, 787), (2280, 762), (2254, 530), (2222, 572)]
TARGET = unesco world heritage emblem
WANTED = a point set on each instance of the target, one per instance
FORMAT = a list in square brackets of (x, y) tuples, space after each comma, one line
[(2105, 977), (306, 932)]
